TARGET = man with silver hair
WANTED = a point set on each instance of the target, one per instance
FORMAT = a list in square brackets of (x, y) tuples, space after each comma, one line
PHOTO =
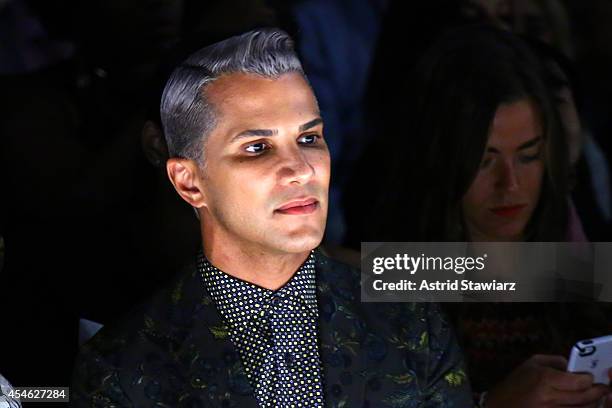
[(261, 317)]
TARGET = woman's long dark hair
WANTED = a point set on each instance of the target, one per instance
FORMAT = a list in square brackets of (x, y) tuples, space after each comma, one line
[(438, 142), (432, 150)]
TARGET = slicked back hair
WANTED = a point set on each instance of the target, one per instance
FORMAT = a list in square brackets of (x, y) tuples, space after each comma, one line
[(187, 115)]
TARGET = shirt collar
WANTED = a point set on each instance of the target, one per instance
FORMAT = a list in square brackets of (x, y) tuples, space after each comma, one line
[(236, 297)]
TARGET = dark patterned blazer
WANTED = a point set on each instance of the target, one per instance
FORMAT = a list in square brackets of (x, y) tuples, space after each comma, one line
[(175, 351)]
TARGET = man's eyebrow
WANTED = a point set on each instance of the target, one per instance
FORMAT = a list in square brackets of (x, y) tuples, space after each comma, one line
[(311, 124), (526, 145), (255, 132), (273, 132)]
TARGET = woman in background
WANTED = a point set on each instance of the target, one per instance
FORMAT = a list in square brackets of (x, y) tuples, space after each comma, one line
[(484, 157)]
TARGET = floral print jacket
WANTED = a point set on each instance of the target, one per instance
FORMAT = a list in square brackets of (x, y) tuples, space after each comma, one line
[(175, 351)]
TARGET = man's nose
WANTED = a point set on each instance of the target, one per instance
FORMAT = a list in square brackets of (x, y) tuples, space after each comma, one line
[(507, 177), (295, 167)]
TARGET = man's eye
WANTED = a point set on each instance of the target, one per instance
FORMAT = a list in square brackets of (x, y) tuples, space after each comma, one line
[(308, 139), (256, 147)]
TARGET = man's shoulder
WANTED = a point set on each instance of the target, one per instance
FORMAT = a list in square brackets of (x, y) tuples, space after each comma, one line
[(335, 271), (411, 345), (341, 283), (167, 349), (157, 325), (178, 292), (344, 278)]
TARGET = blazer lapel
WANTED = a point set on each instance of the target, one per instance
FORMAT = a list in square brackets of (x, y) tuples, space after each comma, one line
[(341, 330), (214, 364)]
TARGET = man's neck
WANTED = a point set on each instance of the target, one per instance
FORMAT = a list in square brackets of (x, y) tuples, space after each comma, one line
[(270, 271)]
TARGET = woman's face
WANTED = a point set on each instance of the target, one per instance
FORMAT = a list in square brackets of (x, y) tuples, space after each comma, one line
[(506, 190)]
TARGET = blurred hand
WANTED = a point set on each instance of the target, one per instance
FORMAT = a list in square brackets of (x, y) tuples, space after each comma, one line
[(542, 382)]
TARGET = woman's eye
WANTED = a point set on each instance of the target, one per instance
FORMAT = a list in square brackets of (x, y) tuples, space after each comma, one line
[(528, 158), (486, 162), (308, 139), (256, 148)]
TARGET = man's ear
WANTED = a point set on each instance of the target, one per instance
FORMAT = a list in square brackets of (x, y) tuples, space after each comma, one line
[(184, 174)]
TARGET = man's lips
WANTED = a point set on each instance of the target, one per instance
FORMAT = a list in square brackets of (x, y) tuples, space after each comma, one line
[(300, 206), (508, 211)]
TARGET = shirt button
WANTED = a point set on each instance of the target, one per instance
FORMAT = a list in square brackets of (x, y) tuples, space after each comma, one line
[(276, 301)]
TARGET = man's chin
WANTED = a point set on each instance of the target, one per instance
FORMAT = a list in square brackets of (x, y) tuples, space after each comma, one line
[(301, 242)]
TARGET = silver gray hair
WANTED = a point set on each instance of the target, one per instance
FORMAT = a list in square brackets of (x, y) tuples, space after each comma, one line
[(187, 115)]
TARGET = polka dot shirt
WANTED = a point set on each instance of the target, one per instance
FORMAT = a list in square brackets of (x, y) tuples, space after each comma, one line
[(275, 333)]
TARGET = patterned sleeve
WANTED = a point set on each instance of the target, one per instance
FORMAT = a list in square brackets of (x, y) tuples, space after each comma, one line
[(448, 384), (95, 382)]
